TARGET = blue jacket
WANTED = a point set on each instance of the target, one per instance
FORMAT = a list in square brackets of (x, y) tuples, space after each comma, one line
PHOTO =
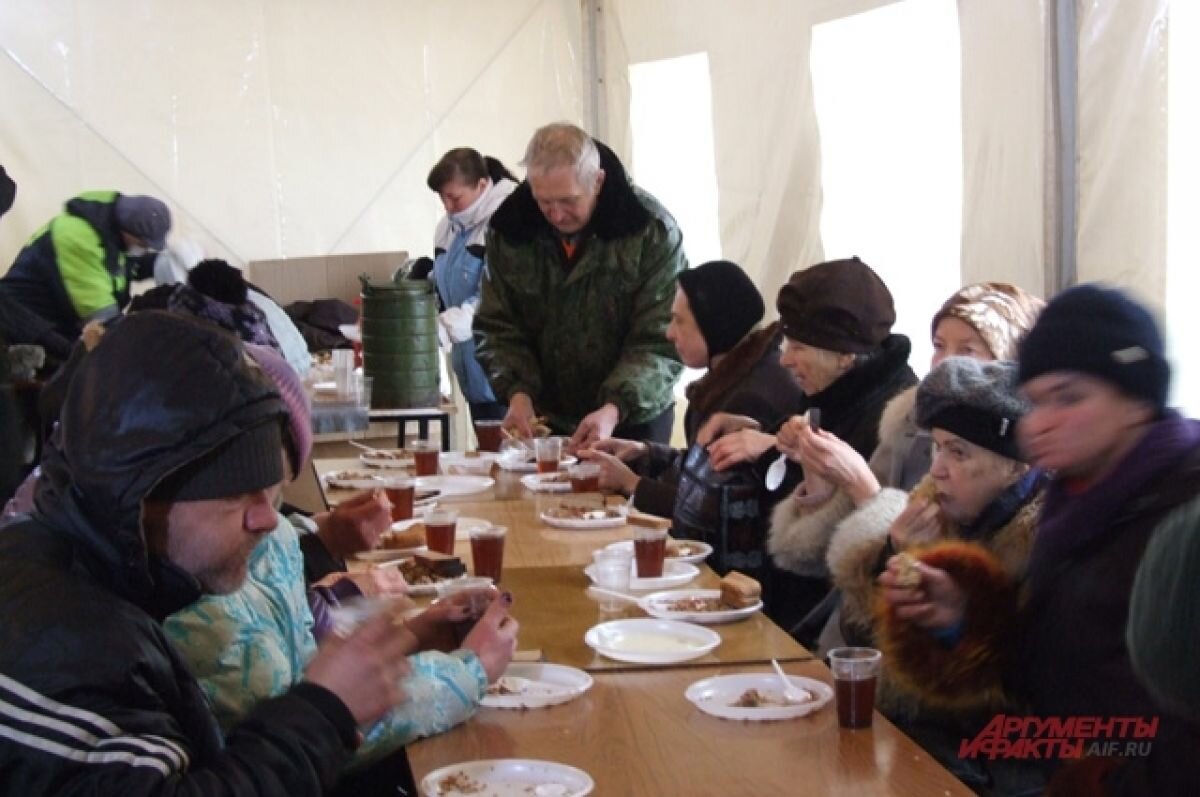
[(457, 271)]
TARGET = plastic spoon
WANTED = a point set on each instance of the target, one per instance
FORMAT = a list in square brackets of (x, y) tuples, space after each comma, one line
[(792, 694), (776, 472), (608, 593)]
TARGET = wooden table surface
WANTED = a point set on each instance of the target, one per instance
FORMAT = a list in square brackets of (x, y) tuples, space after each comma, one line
[(555, 609), (636, 734)]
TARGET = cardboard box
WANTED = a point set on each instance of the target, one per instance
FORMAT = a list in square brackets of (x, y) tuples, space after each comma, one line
[(294, 279)]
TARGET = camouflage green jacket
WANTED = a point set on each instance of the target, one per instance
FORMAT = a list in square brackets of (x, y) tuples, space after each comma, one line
[(577, 334)]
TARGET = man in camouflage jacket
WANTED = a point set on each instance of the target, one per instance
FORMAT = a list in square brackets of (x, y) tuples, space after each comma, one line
[(580, 278)]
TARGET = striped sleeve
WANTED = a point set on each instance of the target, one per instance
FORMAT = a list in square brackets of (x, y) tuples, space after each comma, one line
[(34, 721)]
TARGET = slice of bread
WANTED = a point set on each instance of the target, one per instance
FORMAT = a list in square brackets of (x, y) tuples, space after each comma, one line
[(739, 590)]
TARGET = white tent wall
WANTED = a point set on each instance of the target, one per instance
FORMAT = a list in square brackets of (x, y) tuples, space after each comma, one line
[(1006, 229), (767, 154), (1123, 145), (274, 128)]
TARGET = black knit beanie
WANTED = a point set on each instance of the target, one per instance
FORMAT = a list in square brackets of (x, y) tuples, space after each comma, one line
[(1101, 332), (975, 400), (250, 462), (724, 301)]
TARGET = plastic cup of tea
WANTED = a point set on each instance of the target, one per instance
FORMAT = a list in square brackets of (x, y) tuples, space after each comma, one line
[(649, 551), (488, 435), (585, 477), (425, 457), (400, 491), (440, 526), (547, 451), (855, 674), (611, 570), (487, 551), (361, 392)]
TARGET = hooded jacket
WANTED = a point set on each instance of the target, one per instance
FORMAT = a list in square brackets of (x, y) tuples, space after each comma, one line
[(73, 269), (577, 333), (93, 697)]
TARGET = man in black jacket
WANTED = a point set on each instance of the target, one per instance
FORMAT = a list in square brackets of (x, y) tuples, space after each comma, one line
[(159, 481)]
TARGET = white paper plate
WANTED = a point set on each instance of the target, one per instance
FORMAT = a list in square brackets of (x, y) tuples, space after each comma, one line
[(462, 529), (511, 777), (404, 461), (544, 685), (714, 696), (382, 555), (529, 466), (353, 479), (607, 522), (651, 641), (653, 605), (675, 574), (459, 462), (703, 549), (451, 486), (546, 482)]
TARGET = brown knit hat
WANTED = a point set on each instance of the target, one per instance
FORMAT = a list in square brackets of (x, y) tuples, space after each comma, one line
[(999, 312), (841, 305)]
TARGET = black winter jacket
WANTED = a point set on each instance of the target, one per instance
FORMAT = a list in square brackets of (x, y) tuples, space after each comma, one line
[(93, 697)]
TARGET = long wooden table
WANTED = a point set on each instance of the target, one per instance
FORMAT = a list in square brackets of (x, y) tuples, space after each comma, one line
[(634, 732), (555, 609)]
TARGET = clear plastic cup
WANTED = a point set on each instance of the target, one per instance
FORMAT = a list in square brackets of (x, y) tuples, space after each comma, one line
[(611, 569), (855, 674)]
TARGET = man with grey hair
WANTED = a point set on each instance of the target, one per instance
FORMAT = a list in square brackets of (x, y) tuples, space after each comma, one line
[(581, 269)]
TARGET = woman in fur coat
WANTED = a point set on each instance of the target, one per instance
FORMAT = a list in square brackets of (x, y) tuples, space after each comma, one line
[(961, 632)]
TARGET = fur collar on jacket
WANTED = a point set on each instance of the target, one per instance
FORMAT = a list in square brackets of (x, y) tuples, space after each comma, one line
[(618, 213), (706, 393)]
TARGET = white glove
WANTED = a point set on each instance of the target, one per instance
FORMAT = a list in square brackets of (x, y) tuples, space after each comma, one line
[(458, 322)]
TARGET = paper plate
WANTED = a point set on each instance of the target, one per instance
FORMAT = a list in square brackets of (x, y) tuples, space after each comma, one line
[(388, 458), (651, 641), (547, 482), (450, 486), (675, 574), (353, 479), (658, 604), (517, 465), (699, 552), (383, 555), (716, 695), (539, 685), (508, 777), (612, 518), (459, 462)]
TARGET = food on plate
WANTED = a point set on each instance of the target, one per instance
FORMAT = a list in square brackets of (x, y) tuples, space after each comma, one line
[(694, 604), (908, 576), (554, 478), (353, 476), (416, 573), (569, 512), (505, 686), (459, 782), (739, 590), (411, 537), (394, 455), (677, 548), (441, 564), (752, 698), (470, 455)]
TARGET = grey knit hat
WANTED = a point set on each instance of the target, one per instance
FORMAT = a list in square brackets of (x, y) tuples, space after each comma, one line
[(978, 401)]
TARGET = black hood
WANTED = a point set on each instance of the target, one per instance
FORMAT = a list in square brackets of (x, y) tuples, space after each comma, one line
[(160, 391), (618, 213)]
